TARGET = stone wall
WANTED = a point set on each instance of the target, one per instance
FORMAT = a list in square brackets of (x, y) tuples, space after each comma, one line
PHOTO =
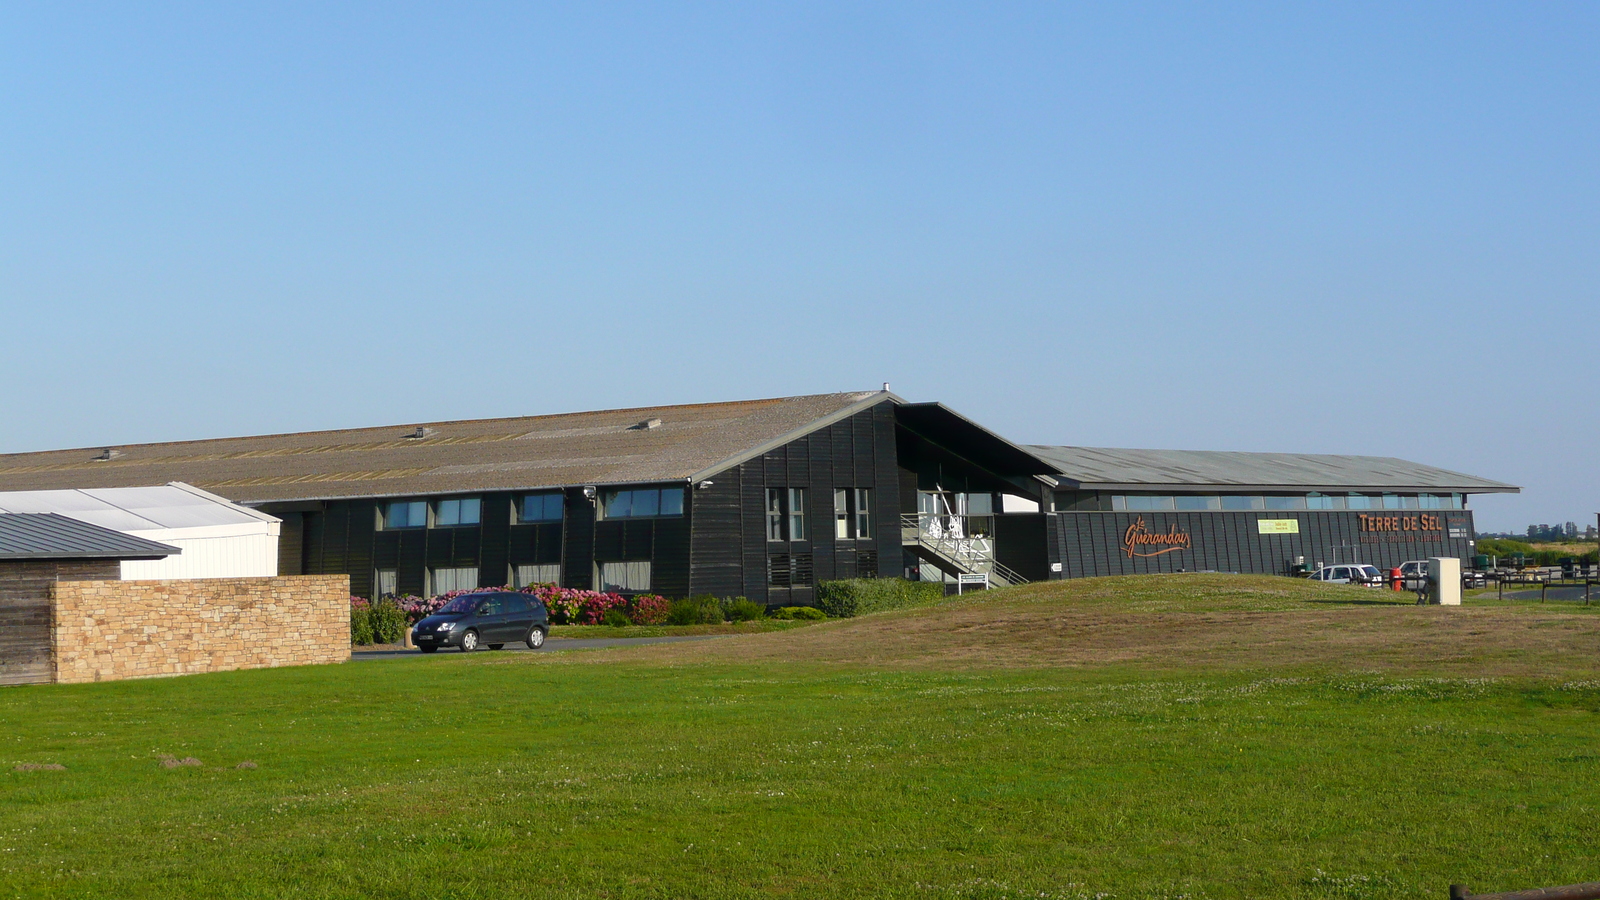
[(109, 630)]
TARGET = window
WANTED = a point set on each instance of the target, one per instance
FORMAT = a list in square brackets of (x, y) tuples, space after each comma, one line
[(540, 508), (443, 581), (1197, 501), (449, 513), (385, 583), (1359, 501), (775, 513), (642, 503), (522, 576), (624, 576), (1242, 501), (1146, 502), (405, 514), (852, 513), (797, 514), (864, 514), (1281, 502), (1315, 500), (978, 504), (1397, 501), (1432, 501)]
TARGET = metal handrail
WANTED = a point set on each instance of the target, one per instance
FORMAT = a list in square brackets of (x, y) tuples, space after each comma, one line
[(950, 536)]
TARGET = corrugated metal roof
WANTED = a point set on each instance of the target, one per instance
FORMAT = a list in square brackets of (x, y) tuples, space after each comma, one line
[(1102, 468), (165, 506), (54, 536), (607, 447)]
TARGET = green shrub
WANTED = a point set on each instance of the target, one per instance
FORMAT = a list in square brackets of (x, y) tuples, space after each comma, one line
[(701, 609), (388, 622), (1502, 547), (616, 618), (859, 596), (798, 612), (360, 625), (741, 609)]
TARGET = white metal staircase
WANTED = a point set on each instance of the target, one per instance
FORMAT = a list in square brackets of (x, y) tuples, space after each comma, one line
[(952, 545)]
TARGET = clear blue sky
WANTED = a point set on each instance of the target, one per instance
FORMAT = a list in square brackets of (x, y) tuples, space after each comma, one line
[(1344, 228)]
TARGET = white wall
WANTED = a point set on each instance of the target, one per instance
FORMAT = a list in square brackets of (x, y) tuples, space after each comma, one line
[(217, 552)]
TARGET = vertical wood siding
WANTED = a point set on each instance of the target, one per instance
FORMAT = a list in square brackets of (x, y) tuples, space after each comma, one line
[(1091, 543), (730, 550)]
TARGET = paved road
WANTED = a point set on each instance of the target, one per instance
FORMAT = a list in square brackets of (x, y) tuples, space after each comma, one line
[(1557, 592), (550, 645)]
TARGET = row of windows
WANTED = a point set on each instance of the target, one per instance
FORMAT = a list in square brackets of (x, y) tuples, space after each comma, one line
[(642, 503), (624, 576), (786, 510), (1313, 500), (545, 506), (611, 576), (786, 514)]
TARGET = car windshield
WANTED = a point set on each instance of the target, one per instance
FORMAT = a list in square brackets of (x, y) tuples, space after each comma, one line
[(463, 604), (1370, 571)]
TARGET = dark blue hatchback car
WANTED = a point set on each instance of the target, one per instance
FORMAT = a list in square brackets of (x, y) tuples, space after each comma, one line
[(486, 619)]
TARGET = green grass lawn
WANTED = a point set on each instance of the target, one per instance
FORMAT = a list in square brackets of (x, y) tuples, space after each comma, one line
[(675, 774)]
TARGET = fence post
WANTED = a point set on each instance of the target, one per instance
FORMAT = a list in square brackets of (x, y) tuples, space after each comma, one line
[(1544, 587)]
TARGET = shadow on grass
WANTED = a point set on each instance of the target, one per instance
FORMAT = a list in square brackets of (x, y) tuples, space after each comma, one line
[(1397, 601)]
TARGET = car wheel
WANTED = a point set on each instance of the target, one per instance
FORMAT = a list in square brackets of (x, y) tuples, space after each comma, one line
[(496, 646), (428, 649), (535, 638), (469, 642)]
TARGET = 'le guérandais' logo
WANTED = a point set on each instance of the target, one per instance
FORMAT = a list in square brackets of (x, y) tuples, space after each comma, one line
[(1139, 540)]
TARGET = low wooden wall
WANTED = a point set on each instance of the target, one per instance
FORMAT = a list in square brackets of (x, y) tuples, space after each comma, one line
[(109, 630)]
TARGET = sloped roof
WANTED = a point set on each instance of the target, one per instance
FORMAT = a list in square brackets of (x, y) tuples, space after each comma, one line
[(607, 447), (136, 509), (1104, 468), (54, 536)]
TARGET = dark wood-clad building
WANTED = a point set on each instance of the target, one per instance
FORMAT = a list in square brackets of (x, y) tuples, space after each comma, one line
[(766, 498)]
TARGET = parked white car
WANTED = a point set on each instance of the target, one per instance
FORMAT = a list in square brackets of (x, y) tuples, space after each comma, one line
[(1353, 573)]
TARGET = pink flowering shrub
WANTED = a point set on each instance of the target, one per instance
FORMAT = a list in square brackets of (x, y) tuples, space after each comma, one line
[(571, 606), (359, 602), (648, 609), (596, 605), (567, 606)]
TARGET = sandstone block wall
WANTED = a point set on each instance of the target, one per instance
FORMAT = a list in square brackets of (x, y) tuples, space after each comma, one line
[(108, 630)]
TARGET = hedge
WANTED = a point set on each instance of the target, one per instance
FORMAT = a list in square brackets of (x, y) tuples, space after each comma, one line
[(859, 596)]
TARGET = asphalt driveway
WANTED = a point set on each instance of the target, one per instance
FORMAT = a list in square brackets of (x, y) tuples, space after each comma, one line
[(550, 646)]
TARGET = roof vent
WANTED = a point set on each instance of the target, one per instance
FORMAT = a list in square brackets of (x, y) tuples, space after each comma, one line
[(646, 425), (422, 431), (108, 454)]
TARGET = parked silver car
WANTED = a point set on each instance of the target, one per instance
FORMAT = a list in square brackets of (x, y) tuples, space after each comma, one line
[(1350, 573)]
